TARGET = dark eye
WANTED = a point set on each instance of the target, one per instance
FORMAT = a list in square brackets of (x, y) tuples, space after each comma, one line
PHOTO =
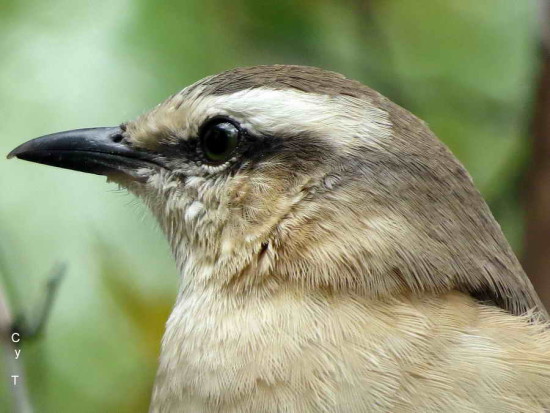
[(219, 140)]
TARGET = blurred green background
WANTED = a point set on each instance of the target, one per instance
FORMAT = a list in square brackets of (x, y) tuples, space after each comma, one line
[(469, 68)]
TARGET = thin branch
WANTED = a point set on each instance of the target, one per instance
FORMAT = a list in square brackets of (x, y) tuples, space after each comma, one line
[(31, 329), (20, 396)]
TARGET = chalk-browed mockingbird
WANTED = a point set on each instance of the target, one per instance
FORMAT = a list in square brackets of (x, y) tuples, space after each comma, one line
[(334, 255)]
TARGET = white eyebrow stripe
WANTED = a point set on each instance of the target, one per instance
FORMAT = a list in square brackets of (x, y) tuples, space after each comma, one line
[(284, 112)]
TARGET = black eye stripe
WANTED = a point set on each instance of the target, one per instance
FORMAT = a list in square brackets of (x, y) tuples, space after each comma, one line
[(211, 149)]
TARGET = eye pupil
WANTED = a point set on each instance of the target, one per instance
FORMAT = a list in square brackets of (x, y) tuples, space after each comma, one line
[(219, 140)]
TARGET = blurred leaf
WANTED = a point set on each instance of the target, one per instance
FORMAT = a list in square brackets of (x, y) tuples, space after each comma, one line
[(146, 314)]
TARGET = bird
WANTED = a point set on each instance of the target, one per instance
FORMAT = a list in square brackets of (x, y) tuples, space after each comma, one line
[(334, 255)]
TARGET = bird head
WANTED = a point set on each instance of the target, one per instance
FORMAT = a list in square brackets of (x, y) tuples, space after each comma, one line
[(286, 174)]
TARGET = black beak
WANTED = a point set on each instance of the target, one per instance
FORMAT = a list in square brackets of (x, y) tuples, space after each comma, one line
[(100, 151)]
